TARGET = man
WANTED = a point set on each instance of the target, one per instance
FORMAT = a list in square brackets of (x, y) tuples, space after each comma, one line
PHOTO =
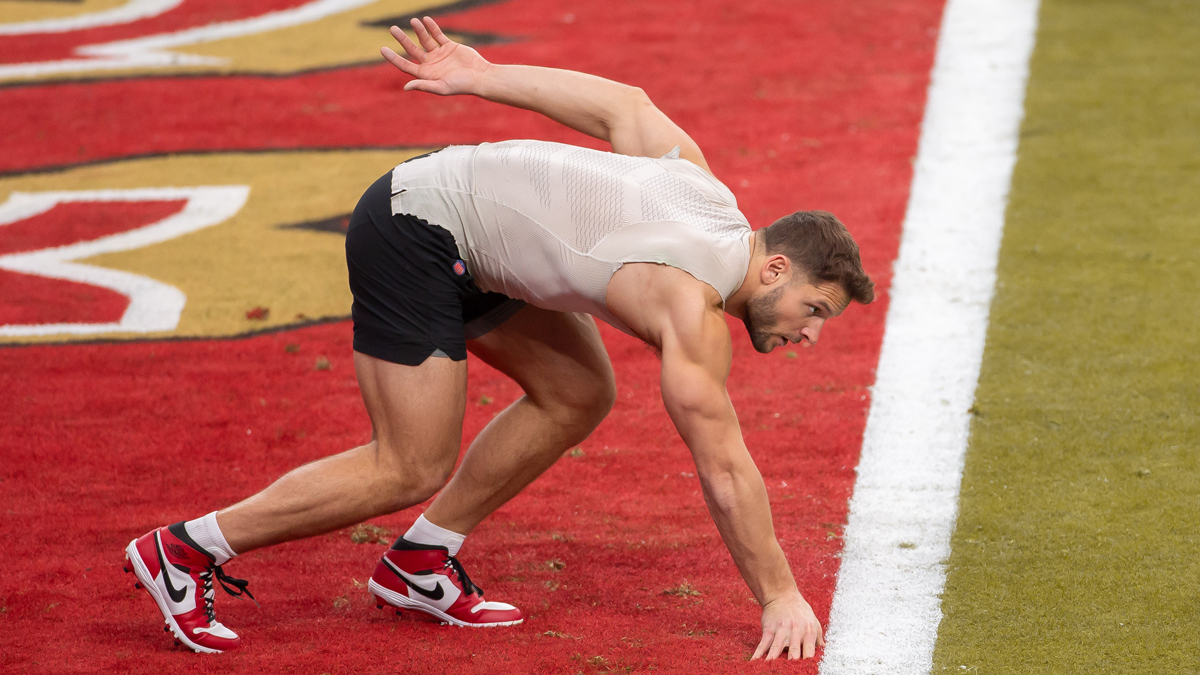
[(504, 250)]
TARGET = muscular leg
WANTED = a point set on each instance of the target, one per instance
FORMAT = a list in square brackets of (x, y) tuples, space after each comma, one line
[(560, 362), (416, 413)]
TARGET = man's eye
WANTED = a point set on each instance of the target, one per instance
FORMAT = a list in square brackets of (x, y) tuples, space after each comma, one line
[(812, 310)]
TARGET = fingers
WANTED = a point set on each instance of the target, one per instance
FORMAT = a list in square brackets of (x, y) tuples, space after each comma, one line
[(406, 66), (435, 31), (763, 644), (411, 47), (423, 35), (430, 86), (777, 645), (810, 642), (794, 628)]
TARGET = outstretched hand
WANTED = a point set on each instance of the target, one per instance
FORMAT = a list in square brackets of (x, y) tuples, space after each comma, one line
[(440, 65), (789, 622)]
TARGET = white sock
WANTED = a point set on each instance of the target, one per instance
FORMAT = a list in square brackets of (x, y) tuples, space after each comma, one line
[(426, 533), (206, 533)]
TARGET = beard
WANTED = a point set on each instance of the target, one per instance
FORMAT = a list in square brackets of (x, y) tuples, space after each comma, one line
[(761, 316)]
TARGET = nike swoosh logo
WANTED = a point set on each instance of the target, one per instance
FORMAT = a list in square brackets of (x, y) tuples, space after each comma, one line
[(433, 594), (177, 595)]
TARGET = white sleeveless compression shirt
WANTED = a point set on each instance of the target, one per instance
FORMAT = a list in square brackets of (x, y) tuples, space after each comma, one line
[(550, 223)]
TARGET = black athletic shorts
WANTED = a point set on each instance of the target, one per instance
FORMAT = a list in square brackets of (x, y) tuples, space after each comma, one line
[(413, 296)]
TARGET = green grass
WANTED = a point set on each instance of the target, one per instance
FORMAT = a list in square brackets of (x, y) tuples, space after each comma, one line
[(1077, 547)]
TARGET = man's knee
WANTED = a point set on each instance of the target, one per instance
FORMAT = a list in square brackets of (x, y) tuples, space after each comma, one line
[(603, 397), (408, 483), (583, 402)]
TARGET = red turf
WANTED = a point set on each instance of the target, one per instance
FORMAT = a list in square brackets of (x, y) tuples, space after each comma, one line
[(797, 105), (30, 299), (74, 222)]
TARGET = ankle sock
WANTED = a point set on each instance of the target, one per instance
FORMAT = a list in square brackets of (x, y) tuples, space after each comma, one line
[(427, 534), (204, 531)]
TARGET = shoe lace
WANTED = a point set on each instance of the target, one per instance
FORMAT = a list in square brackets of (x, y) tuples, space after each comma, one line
[(468, 587), (232, 586)]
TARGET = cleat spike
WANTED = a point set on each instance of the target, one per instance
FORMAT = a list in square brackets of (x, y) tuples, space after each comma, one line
[(125, 569), (178, 643), (137, 585), (378, 606), (166, 629)]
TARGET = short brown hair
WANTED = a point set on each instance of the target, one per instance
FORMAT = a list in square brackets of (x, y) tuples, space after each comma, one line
[(822, 248)]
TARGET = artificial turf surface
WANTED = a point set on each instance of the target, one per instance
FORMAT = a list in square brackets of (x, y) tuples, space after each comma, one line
[(797, 105), (1076, 548)]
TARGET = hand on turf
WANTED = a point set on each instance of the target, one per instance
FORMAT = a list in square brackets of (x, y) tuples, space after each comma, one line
[(440, 65), (789, 622)]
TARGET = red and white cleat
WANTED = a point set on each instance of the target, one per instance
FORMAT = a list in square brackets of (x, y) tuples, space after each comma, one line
[(428, 579), (179, 574)]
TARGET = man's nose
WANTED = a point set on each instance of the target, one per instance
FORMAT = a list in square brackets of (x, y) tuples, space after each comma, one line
[(813, 330)]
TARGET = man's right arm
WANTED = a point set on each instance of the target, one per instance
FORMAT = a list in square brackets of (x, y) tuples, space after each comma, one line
[(682, 316), (617, 113)]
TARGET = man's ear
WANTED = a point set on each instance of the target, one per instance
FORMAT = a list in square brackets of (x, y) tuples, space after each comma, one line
[(776, 268)]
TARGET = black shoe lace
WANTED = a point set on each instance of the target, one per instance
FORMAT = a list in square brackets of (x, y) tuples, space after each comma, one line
[(234, 587), (468, 587)]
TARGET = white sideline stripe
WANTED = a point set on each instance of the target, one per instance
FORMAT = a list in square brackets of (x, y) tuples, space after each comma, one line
[(887, 606), (153, 305), (126, 13), (151, 51)]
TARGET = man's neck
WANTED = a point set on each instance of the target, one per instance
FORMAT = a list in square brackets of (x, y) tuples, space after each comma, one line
[(736, 304)]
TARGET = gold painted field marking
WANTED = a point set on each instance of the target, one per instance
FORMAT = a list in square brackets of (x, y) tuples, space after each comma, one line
[(14, 11), (248, 260), (318, 34)]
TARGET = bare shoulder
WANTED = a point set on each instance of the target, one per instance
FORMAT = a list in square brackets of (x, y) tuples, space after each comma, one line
[(642, 130), (651, 298)]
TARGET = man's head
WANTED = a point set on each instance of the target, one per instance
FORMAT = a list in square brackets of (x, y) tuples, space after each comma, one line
[(810, 272)]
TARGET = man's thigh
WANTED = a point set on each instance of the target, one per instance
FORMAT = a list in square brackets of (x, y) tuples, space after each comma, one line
[(558, 358), (416, 411)]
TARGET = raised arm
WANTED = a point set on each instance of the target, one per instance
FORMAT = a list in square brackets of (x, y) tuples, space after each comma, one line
[(617, 113), (683, 318)]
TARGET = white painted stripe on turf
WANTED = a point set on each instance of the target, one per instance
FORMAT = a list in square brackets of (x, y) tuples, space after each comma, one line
[(129, 12), (887, 605), (153, 305)]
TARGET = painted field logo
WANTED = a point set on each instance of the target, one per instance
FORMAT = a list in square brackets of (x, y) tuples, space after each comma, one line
[(117, 251), (45, 233), (173, 36)]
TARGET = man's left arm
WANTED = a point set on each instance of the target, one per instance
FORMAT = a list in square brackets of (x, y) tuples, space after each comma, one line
[(696, 356), (617, 113)]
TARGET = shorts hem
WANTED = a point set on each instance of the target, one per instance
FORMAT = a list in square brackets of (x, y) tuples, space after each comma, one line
[(405, 356), (490, 320)]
